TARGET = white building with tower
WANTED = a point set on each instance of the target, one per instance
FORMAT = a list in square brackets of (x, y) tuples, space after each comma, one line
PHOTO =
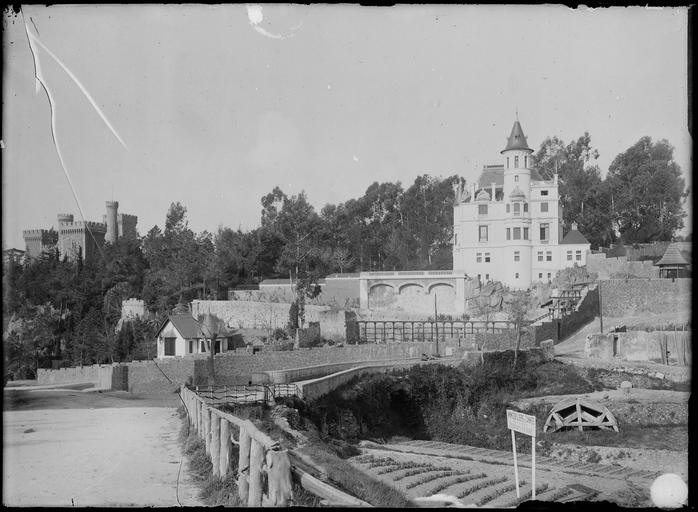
[(507, 225)]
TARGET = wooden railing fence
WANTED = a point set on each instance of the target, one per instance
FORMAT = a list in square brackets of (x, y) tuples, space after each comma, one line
[(257, 454)]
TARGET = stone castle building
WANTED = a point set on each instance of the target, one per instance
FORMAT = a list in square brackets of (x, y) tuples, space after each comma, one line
[(507, 225), (74, 237)]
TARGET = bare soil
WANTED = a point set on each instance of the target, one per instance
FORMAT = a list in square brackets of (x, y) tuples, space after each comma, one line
[(67, 447)]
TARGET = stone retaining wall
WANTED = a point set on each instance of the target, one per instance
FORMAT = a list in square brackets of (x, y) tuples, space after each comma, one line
[(628, 297)]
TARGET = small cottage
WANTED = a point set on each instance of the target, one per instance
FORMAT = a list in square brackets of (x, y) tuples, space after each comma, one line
[(676, 261), (183, 335)]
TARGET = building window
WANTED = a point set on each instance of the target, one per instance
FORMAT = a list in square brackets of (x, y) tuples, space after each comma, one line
[(544, 207), (517, 233), (508, 233), (191, 346), (540, 275), (487, 259), (516, 164), (544, 192), (202, 346), (507, 162), (525, 237), (517, 208), (479, 278), (544, 232), (548, 276), (548, 256), (483, 233), (217, 347), (540, 255), (456, 239), (517, 256), (508, 208), (482, 209), (525, 161), (569, 255), (479, 257), (170, 346), (516, 276), (525, 207), (487, 277), (578, 255)]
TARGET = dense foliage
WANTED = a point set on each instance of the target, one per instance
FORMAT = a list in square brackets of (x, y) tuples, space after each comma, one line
[(58, 310)]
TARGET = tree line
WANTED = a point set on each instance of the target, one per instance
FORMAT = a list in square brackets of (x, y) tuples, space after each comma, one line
[(55, 309)]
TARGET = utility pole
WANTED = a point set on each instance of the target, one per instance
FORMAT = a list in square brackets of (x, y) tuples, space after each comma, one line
[(600, 308), (436, 316)]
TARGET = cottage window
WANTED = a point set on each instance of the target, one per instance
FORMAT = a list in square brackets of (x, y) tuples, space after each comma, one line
[(569, 255), (578, 255), (191, 347), (170, 346)]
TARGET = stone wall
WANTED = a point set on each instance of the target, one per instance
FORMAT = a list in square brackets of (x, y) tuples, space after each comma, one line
[(609, 268), (641, 346), (98, 374), (253, 315), (635, 297)]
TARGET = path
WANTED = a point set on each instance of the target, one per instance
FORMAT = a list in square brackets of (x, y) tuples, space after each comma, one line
[(128, 455)]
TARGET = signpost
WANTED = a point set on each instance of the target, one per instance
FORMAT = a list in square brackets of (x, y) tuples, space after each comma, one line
[(525, 424)]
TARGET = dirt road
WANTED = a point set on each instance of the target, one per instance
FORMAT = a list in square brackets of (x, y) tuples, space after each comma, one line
[(126, 454)]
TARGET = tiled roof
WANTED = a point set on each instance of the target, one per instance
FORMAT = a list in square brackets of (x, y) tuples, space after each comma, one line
[(188, 327), (673, 256), (491, 174), (495, 174), (517, 139), (574, 237)]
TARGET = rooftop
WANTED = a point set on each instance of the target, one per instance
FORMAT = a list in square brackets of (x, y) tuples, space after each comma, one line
[(517, 139)]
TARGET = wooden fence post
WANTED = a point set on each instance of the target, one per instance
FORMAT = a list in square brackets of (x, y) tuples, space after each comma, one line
[(244, 465), (279, 477), (256, 461), (215, 444), (207, 429), (224, 460)]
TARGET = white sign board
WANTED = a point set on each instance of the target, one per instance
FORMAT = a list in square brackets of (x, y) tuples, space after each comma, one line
[(524, 423)]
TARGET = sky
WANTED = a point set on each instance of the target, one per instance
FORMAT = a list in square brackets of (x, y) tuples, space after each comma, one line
[(217, 105)]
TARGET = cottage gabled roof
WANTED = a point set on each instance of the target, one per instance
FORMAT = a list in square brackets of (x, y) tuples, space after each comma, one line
[(190, 328), (672, 256), (517, 139), (573, 236)]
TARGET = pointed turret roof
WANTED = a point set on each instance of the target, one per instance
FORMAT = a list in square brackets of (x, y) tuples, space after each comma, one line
[(517, 139), (672, 256)]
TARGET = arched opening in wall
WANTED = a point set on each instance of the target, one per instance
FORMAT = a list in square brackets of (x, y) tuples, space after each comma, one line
[(445, 294), (412, 298), (381, 296)]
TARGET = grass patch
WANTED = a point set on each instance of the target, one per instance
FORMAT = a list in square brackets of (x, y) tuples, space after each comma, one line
[(654, 437)]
